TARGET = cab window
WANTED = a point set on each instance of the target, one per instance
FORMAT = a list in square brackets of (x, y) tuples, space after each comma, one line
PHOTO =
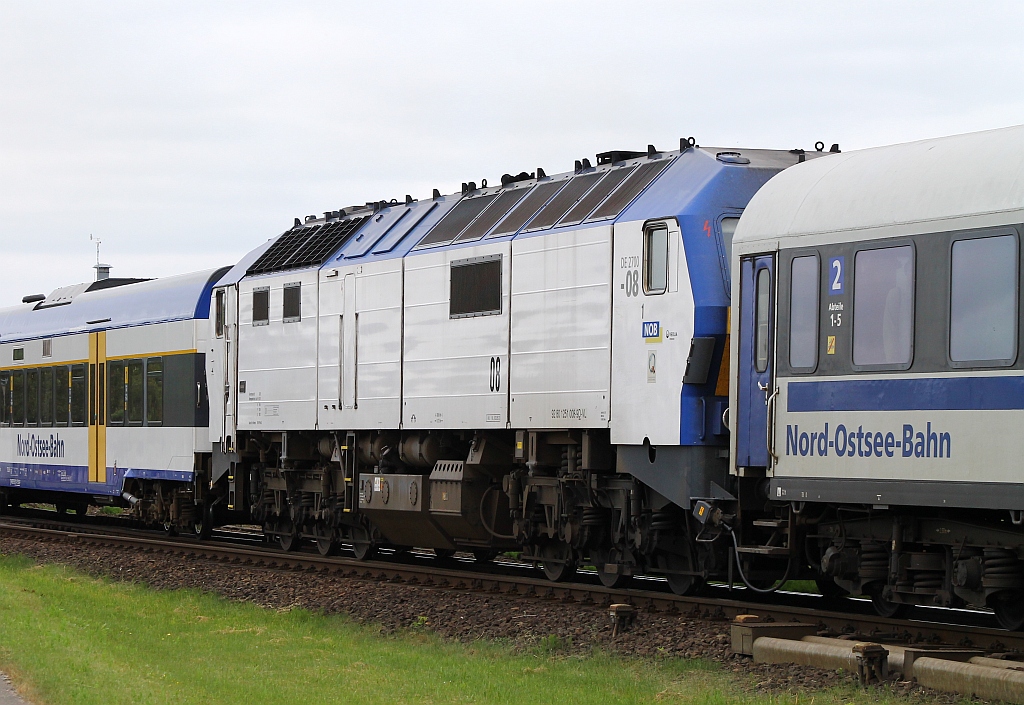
[(655, 259)]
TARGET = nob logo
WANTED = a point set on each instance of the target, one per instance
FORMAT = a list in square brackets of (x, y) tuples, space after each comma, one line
[(652, 331)]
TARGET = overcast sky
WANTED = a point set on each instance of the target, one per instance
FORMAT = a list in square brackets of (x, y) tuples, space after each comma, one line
[(183, 134)]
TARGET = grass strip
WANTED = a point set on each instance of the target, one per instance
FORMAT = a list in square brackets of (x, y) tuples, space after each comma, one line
[(70, 638)]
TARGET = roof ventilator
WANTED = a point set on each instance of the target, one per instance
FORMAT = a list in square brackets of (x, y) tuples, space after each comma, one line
[(652, 153), (437, 194), (731, 158), (801, 155), (686, 143), (507, 179), (617, 155)]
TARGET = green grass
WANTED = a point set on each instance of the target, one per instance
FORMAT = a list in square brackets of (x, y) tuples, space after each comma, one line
[(70, 638)]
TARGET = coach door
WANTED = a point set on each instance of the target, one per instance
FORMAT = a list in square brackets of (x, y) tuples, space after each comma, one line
[(97, 407), (755, 379)]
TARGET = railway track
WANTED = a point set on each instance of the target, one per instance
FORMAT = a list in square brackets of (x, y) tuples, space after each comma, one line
[(963, 628)]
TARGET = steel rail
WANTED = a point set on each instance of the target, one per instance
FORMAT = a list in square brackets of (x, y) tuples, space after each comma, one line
[(505, 580)]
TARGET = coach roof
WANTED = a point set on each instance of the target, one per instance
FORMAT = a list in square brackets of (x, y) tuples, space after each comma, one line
[(971, 180), (174, 298)]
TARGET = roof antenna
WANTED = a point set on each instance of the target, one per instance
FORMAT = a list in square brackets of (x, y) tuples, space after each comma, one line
[(102, 270)]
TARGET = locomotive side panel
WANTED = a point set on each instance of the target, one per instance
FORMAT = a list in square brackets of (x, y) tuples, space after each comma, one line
[(360, 338), (653, 325), (277, 351), (561, 330), (456, 338)]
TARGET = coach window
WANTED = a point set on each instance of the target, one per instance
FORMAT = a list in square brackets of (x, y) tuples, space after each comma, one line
[(883, 306), (61, 394), (31, 397), (292, 296), (261, 306), (5, 399), (136, 392), (79, 395), (475, 287), (18, 398), (219, 313), (154, 391), (763, 312), (46, 396), (655, 259), (803, 313), (983, 300), (117, 383)]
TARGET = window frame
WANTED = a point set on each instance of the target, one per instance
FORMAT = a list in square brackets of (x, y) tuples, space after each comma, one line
[(650, 228), (759, 273), (132, 364), (851, 281), (150, 379), (5, 384), (219, 301), (982, 364), (121, 366), (44, 373), (261, 321), (817, 316), (455, 264), (62, 392), (285, 318), (83, 406)]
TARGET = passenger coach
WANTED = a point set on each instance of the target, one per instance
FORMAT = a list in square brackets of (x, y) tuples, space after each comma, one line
[(104, 397), (878, 376)]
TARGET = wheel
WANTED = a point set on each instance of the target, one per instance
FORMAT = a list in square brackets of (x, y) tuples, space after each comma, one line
[(326, 545), (674, 565), (558, 561), (884, 607), (484, 555), (604, 559), (81, 509), (362, 544), (62, 508), (444, 554), (288, 536), (202, 524), (828, 588), (170, 529), (1009, 609)]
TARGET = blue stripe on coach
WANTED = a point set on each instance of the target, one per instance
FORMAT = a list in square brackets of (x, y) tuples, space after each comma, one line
[(927, 394)]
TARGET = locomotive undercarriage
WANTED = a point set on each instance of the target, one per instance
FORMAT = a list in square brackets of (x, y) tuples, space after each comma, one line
[(553, 496), (557, 499)]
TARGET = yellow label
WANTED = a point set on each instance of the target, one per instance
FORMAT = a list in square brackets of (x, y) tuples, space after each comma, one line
[(831, 347)]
